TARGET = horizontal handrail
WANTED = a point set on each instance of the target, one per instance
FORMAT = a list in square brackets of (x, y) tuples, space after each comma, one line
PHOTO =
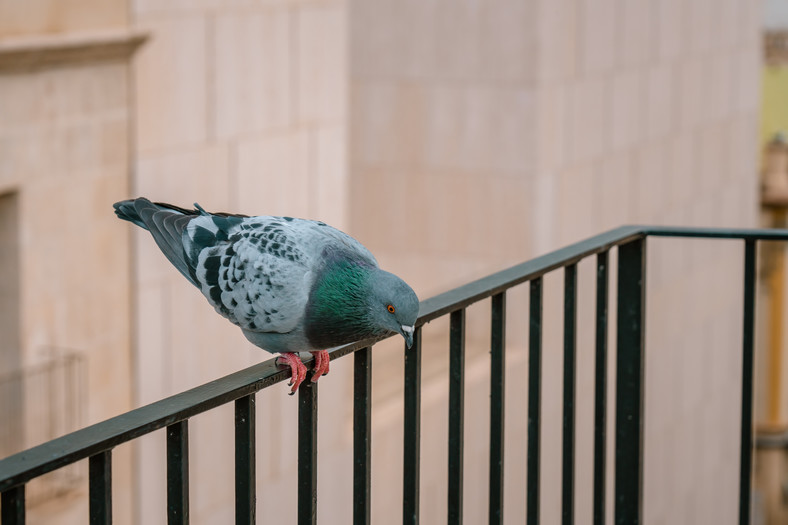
[(26, 465)]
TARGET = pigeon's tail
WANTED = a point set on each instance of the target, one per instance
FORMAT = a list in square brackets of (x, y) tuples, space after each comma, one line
[(166, 223)]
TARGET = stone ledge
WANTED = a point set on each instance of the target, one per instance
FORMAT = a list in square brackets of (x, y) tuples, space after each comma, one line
[(40, 52)]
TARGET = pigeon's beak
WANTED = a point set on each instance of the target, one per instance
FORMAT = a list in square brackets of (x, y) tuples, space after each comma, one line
[(407, 333)]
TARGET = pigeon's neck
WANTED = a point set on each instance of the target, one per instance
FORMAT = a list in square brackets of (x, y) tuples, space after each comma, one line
[(338, 311)]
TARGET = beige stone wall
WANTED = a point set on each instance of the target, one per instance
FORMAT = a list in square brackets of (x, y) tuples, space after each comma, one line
[(241, 106), (64, 158), (485, 134), (39, 17)]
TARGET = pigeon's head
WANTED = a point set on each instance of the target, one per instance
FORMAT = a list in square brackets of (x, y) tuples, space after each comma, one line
[(394, 305)]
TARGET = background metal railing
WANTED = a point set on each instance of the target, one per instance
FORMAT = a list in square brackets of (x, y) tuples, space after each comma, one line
[(97, 441), (39, 403)]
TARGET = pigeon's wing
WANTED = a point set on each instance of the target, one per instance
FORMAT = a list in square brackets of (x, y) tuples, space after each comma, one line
[(258, 271), (249, 271)]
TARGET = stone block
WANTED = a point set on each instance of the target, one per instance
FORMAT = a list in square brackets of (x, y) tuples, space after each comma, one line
[(457, 41), (650, 182), (659, 106), (388, 124), (170, 83), (375, 39), (556, 29), (597, 30), (671, 36), (690, 94), (443, 127), (615, 205), (588, 128), (681, 169), (747, 79), (331, 177), (61, 16), (700, 28), (636, 32), (627, 112), (507, 44), (252, 71), (152, 358), (514, 138), (322, 63), (553, 107), (185, 176), (577, 219), (274, 175)]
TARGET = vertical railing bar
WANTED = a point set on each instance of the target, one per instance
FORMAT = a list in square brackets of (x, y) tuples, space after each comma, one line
[(630, 346), (497, 400), (412, 432), (362, 435), (570, 360), (600, 387), (178, 473), (12, 503), (456, 414), (748, 339), (534, 400), (307, 453), (100, 488), (245, 461)]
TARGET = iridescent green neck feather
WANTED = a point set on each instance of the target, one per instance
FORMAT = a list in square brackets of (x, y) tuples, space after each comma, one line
[(338, 311)]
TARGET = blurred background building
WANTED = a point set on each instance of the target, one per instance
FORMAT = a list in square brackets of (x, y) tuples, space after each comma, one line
[(453, 138), (772, 470)]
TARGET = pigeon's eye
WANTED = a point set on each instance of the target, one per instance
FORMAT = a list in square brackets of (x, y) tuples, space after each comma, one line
[(391, 309)]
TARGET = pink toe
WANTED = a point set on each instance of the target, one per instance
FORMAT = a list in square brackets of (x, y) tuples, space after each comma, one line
[(297, 370), (321, 364)]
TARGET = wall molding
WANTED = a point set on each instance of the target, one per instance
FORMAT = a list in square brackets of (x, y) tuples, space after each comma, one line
[(48, 51)]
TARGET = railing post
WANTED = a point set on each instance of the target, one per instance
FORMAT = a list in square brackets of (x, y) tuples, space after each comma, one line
[(748, 339), (629, 382), (600, 389), (307, 453), (456, 414), (570, 365), (13, 506), (497, 407), (100, 491), (412, 432), (362, 435), (245, 461), (534, 401), (178, 473)]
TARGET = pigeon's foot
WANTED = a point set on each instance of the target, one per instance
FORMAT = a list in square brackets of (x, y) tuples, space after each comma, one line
[(297, 369), (321, 364)]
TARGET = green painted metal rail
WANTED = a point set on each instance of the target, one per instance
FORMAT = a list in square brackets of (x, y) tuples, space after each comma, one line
[(95, 443)]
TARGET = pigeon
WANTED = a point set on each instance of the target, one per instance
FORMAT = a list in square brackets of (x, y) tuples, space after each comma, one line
[(291, 285)]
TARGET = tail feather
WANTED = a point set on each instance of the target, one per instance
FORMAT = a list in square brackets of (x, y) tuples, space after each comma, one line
[(166, 224), (125, 210)]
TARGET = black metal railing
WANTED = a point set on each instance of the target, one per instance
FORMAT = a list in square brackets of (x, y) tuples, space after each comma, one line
[(96, 442)]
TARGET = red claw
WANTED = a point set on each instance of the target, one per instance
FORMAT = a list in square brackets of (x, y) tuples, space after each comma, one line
[(297, 369), (321, 364)]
